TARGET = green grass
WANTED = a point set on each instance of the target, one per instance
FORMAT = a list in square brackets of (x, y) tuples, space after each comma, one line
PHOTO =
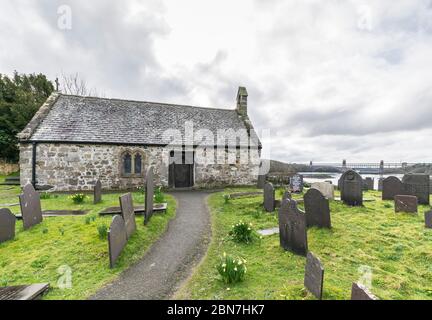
[(397, 248), (35, 255)]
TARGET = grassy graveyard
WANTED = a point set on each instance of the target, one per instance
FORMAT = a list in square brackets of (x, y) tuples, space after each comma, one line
[(396, 247), (79, 242)]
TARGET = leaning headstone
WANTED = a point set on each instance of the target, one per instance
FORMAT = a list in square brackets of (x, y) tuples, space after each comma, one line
[(351, 188), (417, 185), (360, 292), (296, 183), (292, 228), (149, 193), (30, 207), (261, 181), (314, 276), (406, 204), (128, 214), (7, 225), (327, 189), (117, 239), (428, 219), (317, 209), (269, 197), (391, 187), (97, 192)]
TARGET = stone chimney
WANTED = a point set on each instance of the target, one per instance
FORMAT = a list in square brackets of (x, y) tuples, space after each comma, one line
[(242, 102)]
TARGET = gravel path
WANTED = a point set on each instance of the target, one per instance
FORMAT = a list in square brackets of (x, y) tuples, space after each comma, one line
[(170, 260)]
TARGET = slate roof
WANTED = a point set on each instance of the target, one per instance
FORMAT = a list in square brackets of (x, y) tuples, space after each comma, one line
[(71, 118)]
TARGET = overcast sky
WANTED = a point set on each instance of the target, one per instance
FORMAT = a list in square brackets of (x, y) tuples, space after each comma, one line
[(331, 79)]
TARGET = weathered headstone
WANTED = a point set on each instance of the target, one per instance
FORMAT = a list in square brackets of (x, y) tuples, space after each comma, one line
[(97, 192), (327, 189), (314, 276), (360, 292), (392, 186), (417, 185), (7, 225), (117, 239), (380, 184), (286, 195), (128, 214), (406, 204), (351, 188), (292, 228), (296, 183), (149, 193), (368, 184), (269, 197), (261, 181), (428, 219), (317, 209), (30, 207)]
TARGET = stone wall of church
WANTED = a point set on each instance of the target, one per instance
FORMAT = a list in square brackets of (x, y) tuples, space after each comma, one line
[(76, 167)]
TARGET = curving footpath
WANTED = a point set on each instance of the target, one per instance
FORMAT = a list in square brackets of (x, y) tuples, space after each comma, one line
[(170, 260)]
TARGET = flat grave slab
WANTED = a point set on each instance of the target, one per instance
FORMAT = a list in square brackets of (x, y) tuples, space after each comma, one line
[(30, 292), (268, 232), (364, 199), (139, 210), (245, 194), (59, 213)]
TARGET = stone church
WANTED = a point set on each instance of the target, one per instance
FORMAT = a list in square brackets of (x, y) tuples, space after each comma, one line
[(72, 141)]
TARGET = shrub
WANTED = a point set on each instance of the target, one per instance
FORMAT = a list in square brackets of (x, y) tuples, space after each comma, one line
[(243, 232), (231, 270), (159, 196), (45, 195), (78, 198), (102, 231), (227, 198)]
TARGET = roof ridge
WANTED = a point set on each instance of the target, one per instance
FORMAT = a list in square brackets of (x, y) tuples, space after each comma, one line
[(149, 102)]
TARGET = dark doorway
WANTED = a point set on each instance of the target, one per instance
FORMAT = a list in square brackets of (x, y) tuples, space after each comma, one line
[(181, 170)]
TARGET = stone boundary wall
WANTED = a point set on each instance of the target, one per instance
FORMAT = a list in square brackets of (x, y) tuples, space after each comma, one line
[(7, 168)]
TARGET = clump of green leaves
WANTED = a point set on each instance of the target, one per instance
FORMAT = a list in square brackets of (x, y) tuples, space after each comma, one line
[(90, 218), (227, 198), (78, 198), (45, 195), (231, 270), (387, 205), (62, 231), (45, 230), (243, 232), (159, 196), (102, 231)]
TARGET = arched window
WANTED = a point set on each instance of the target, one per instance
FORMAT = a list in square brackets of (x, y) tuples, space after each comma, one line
[(138, 164), (127, 163)]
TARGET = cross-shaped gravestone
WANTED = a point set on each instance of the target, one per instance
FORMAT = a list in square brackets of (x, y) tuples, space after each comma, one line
[(314, 276), (428, 219), (30, 207), (117, 239), (352, 188), (97, 192), (149, 193), (269, 197), (7, 225), (128, 213), (317, 209), (360, 292), (292, 228)]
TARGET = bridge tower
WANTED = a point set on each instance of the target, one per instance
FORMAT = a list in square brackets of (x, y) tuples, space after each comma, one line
[(381, 168)]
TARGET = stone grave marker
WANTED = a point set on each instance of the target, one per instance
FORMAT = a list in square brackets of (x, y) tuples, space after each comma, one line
[(428, 219), (269, 197), (149, 193), (261, 181), (380, 184), (128, 213), (117, 239), (30, 207), (314, 276), (327, 189), (292, 228), (405, 203), (7, 225), (286, 195), (360, 292), (97, 192), (417, 185), (391, 187), (351, 188), (296, 183), (317, 209), (368, 184)]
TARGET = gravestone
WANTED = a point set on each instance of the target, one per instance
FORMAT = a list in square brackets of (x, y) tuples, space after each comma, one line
[(97, 192), (314, 276), (269, 197), (296, 183), (406, 204), (327, 189), (261, 181), (380, 184), (317, 209), (368, 184), (391, 187), (128, 213), (30, 207), (417, 185), (292, 228), (351, 188), (149, 193), (360, 292), (428, 219), (286, 195), (117, 239), (7, 225)]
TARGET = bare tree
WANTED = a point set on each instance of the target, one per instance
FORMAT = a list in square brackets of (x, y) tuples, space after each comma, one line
[(76, 85)]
